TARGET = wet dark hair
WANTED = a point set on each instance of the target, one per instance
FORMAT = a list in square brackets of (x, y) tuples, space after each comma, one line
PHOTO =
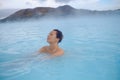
[(58, 35)]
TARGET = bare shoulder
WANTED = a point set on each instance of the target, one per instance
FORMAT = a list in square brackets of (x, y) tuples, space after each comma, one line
[(60, 52), (43, 49)]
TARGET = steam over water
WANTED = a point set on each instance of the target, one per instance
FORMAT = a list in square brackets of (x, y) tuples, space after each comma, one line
[(91, 45)]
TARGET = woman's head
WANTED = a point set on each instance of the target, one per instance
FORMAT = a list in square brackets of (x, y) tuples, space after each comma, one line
[(55, 36)]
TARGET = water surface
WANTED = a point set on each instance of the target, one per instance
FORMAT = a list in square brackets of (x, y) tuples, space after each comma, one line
[(91, 44)]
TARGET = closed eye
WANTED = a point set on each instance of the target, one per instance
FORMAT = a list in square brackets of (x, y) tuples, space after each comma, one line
[(51, 34)]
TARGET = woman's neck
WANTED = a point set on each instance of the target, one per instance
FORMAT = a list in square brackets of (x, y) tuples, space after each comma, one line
[(53, 47)]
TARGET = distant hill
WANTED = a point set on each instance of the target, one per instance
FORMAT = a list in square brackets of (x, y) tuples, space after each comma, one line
[(6, 12), (61, 11)]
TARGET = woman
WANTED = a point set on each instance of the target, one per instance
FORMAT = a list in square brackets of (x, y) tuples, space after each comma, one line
[(54, 37)]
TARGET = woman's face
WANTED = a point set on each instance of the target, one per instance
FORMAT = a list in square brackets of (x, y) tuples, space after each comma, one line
[(52, 37)]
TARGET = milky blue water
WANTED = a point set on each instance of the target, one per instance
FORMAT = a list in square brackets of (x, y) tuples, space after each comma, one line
[(91, 45)]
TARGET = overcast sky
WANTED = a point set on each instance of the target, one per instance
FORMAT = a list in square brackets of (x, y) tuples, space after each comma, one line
[(79, 4)]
